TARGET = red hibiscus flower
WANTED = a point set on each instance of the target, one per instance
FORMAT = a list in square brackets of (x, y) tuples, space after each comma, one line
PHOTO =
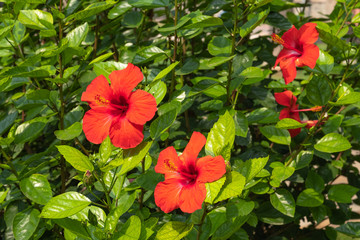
[(299, 50), (288, 99), (186, 175), (116, 110)]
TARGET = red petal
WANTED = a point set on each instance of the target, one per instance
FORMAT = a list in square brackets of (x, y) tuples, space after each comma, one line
[(290, 37), (167, 195), (294, 132), (285, 98), (98, 87), (168, 163), (142, 107), (284, 54), (210, 168), (309, 56), (308, 33), (96, 124), (193, 148), (288, 69), (192, 197), (125, 134), (125, 80)]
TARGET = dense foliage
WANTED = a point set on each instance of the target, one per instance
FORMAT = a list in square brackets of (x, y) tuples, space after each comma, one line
[(285, 144)]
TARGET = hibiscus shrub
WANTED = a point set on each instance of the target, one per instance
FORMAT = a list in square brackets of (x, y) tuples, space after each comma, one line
[(159, 119)]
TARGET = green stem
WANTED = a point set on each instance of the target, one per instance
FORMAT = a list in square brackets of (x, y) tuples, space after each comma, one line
[(201, 222), (173, 79)]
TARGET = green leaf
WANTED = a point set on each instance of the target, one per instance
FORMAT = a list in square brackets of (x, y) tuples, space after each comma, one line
[(3, 194), (332, 40), (350, 228), (147, 54), (105, 68), (164, 72), (309, 198), (149, 4), (250, 168), (213, 189), (92, 10), (29, 130), (332, 142), (351, 98), (315, 181), (5, 31), (280, 173), (220, 46), (163, 122), (36, 188), (101, 58), (283, 201), (173, 230), (149, 180), (25, 224), (158, 90), (125, 201), (130, 230), (36, 19), (233, 186), (239, 208), (190, 65), (69, 133), (133, 156), (318, 91), (105, 150), (77, 35), (40, 94), (280, 136), (255, 20), (65, 205), (118, 10), (132, 19), (8, 120), (78, 160), (302, 160), (332, 123), (221, 137), (342, 193), (241, 124), (29, 71), (202, 21), (325, 62), (74, 226), (289, 123)]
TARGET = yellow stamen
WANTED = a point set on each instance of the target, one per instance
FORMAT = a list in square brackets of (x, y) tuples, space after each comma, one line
[(316, 108), (170, 165), (101, 100), (277, 39)]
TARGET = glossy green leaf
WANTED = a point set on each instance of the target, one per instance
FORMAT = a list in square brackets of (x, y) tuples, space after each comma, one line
[(119, 9), (232, 187), (318, 91), (29, 130), (220, 46), (78, 160), (40, 94), (283, 201), (325, 62), (221, 137), (7, 120), (350, 228), (105, 68), (241, 124), (289, 123), (36, 188), (36, 19), (30, 71), (332, 123), (77, 35), (132, 19), (190, 65), (250, 168), (69, 133), (160, 124), (5, 31), (342, 193), (149, 3), (130, 230), (105, 150), (125, 201), (65, 205), (351, 98), (158, 90), (255, 20), (315, 181), (92, 10), (3, 195), (202, 21), (133, 156), (25, 224), (280, 173), (147, 54), (74, 226), (239, 208), (309, 198), (164, 72), (302, 160), (101, 58), (276, 135), (332, 142), (213, 189), (332, 40), (173, 230)]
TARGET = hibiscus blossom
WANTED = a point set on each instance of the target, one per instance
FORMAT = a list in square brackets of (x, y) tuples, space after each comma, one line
[(299, 50), (116, 110), (186, 175), (288, 100)]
